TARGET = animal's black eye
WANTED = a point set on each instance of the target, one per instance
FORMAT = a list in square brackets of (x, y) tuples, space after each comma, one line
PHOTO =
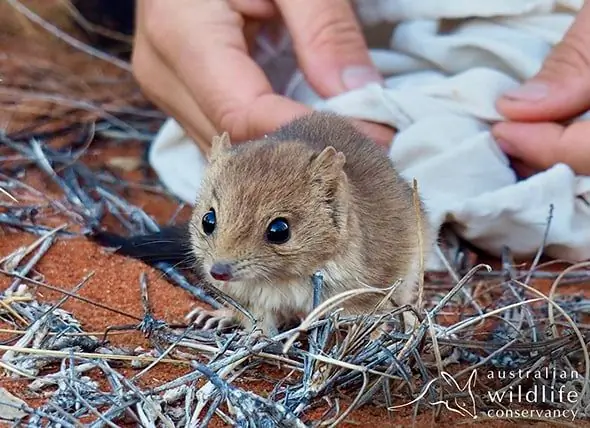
[(208, 222), (278, 231)]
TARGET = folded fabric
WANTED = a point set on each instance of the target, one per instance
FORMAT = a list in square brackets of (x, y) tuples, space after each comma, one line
[(439, 94)]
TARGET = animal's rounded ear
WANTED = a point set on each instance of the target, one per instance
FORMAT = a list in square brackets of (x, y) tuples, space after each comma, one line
[(328, 163), (219, 144)]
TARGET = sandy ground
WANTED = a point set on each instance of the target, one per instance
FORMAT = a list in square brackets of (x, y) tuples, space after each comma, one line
[(115, 280)]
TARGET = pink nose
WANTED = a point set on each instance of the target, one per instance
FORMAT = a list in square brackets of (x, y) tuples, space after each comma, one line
[(221, 271)]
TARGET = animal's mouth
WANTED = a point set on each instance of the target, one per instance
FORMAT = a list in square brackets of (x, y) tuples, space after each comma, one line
[(224, 277), (226, 272), (224, 280), (231, 271), (222, 271)]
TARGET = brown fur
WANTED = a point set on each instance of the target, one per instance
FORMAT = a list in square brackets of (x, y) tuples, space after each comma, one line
[(350, 213)]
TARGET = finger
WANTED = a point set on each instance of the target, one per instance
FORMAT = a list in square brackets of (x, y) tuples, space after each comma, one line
[(561, 89), (257, 9), (204, 44), (162, 87), (522, 169), (542, 145), (329, 45), (382, 135)]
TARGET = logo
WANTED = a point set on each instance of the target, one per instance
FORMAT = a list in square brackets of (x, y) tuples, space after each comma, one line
[(516, 400), (461, 404)]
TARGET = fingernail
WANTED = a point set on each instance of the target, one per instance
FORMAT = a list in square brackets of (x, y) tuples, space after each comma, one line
[(530, 91), (357, 76)]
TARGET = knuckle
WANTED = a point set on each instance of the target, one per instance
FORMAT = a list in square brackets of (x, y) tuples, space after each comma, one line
[(334, 32), (234, 121), (571, 55), (235, 118)]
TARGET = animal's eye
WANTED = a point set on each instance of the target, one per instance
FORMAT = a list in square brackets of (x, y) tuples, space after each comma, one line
[(278, 231), (208, 222)]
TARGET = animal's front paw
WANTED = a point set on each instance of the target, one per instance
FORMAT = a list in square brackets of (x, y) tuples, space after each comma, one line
[(266, 327), (206, 319)]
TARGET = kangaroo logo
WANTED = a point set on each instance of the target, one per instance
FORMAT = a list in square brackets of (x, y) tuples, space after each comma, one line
[(464, 406)]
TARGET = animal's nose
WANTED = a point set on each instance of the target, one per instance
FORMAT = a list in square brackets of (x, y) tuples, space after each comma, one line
[(221, 271)]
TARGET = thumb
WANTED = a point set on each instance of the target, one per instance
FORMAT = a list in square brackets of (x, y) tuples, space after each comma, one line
[(329, 45), (561, 89), (542, 145)]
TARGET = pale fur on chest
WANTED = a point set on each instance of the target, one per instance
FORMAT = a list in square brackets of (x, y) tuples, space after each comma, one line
[(277, 303), (295, 298), (282, 300)]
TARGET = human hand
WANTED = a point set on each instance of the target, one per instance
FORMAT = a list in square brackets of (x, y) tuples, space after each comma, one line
[(191, 58), (558, 92)]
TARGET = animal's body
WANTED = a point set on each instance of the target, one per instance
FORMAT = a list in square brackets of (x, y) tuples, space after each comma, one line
[(314, 195)]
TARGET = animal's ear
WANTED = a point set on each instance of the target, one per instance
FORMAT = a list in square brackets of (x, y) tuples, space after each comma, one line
[(329, 178), (328, 163), (219, 144)]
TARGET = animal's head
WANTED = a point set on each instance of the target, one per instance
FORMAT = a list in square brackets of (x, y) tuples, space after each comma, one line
[(464, 405), (269, 211)]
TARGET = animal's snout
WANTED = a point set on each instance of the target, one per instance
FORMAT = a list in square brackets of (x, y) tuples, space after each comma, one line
[(221, 271)]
